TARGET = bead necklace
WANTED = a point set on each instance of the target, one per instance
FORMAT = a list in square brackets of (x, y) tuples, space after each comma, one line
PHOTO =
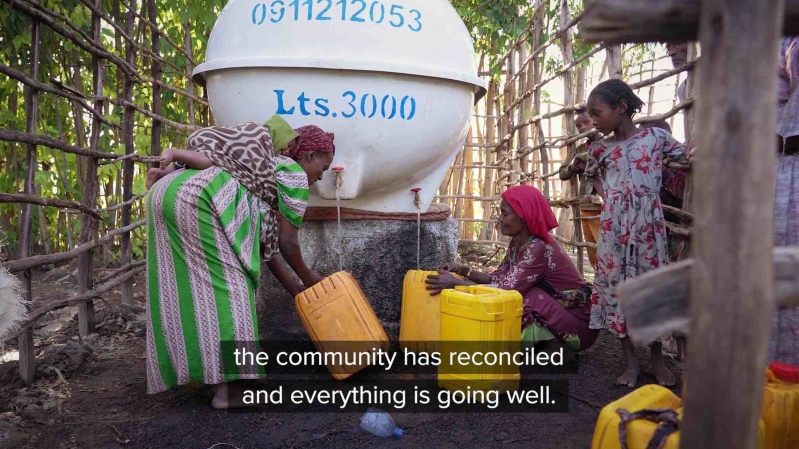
[(516, 250)]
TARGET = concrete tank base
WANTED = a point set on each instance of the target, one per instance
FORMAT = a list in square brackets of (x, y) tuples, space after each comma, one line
[(377, 253)]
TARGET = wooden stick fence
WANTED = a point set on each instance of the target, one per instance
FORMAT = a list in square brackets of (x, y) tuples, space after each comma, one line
[(92, 157)]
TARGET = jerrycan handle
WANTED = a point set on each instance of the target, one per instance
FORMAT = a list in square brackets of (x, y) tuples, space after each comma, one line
[(477, 289), (483, 290)]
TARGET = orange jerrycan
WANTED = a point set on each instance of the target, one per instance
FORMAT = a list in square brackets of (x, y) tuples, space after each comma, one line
[(640, 431), (420, 321), (780, 406), (479, 320), (336, 311)]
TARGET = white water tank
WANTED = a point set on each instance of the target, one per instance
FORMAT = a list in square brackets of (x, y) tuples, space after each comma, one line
[(395, 80)]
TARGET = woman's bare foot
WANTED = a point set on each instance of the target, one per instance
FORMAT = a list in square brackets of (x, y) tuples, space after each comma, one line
[(662, 374)]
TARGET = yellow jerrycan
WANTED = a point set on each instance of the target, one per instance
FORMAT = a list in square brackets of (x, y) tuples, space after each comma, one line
[(335, 311), (420, 320), (639, 432), (477, 320), (780, 406)]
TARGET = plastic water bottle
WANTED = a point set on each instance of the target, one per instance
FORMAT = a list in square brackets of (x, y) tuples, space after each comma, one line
[(380, 423)]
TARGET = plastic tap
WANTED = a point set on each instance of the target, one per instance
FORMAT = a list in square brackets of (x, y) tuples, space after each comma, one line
[(339, 179), (417, 199)]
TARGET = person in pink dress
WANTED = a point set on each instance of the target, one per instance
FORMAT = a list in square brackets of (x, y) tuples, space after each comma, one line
[(632, 232), (556, 298)]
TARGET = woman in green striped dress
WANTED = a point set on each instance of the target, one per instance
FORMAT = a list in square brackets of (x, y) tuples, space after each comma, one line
[(209, 226)]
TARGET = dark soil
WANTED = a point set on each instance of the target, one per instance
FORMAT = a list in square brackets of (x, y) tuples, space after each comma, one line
[(101, 402)]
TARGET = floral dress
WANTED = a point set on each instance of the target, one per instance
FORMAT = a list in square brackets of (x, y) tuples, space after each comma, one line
[(632, 232), (556, 297)]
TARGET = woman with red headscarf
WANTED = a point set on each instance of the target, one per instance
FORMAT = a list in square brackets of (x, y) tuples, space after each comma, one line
[(556, 298), (209, 227)]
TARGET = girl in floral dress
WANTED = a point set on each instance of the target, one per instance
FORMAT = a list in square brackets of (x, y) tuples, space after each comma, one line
[(632, 230)]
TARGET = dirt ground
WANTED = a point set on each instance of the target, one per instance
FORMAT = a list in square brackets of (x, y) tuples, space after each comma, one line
[(90, 393)]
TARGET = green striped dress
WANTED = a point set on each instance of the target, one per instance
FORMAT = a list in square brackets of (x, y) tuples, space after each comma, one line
[(206, 237)]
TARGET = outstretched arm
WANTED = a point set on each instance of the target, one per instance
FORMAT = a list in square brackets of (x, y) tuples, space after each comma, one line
[(289, 243), (282, 274), (191, 159), (671, 148)]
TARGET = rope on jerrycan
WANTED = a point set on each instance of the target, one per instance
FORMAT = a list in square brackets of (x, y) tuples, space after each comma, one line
[(668, 420)]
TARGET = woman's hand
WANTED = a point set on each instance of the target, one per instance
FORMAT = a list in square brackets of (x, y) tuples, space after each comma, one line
[(314, 278), (453, 267), (296, 289), (167, 157), (443, 280)]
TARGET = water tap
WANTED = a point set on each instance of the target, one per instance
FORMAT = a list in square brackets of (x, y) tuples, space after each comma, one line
[(417, 199), (339, 179)]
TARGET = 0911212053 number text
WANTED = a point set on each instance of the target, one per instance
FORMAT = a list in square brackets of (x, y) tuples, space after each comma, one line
[(367, 106), (376, 12)]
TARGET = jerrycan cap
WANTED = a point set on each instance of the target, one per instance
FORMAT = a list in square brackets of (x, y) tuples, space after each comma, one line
[(785, 371)]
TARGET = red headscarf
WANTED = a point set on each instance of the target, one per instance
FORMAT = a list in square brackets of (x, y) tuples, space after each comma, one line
[(311, 139), (530, 205)]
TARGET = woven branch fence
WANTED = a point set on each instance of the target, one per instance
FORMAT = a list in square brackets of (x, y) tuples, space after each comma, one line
[(94, 103)]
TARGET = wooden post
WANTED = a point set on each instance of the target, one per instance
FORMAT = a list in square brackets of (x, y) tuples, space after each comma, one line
[(488, 180), (127, 165), (88, 224), (510, 97), (544, 153), (12, 107), (732, 292), (155, 71), (189, 83), (656, 20), (27, 359), (568, 99), (613, 55), (677, 81), (651, 103), (538, 31), (689, 118), (522, 87)]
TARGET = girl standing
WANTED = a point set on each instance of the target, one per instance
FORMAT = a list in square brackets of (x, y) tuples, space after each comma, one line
[(632, 230)]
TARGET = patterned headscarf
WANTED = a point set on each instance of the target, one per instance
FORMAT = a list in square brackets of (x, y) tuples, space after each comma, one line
[(311, 139), (530, 205)]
